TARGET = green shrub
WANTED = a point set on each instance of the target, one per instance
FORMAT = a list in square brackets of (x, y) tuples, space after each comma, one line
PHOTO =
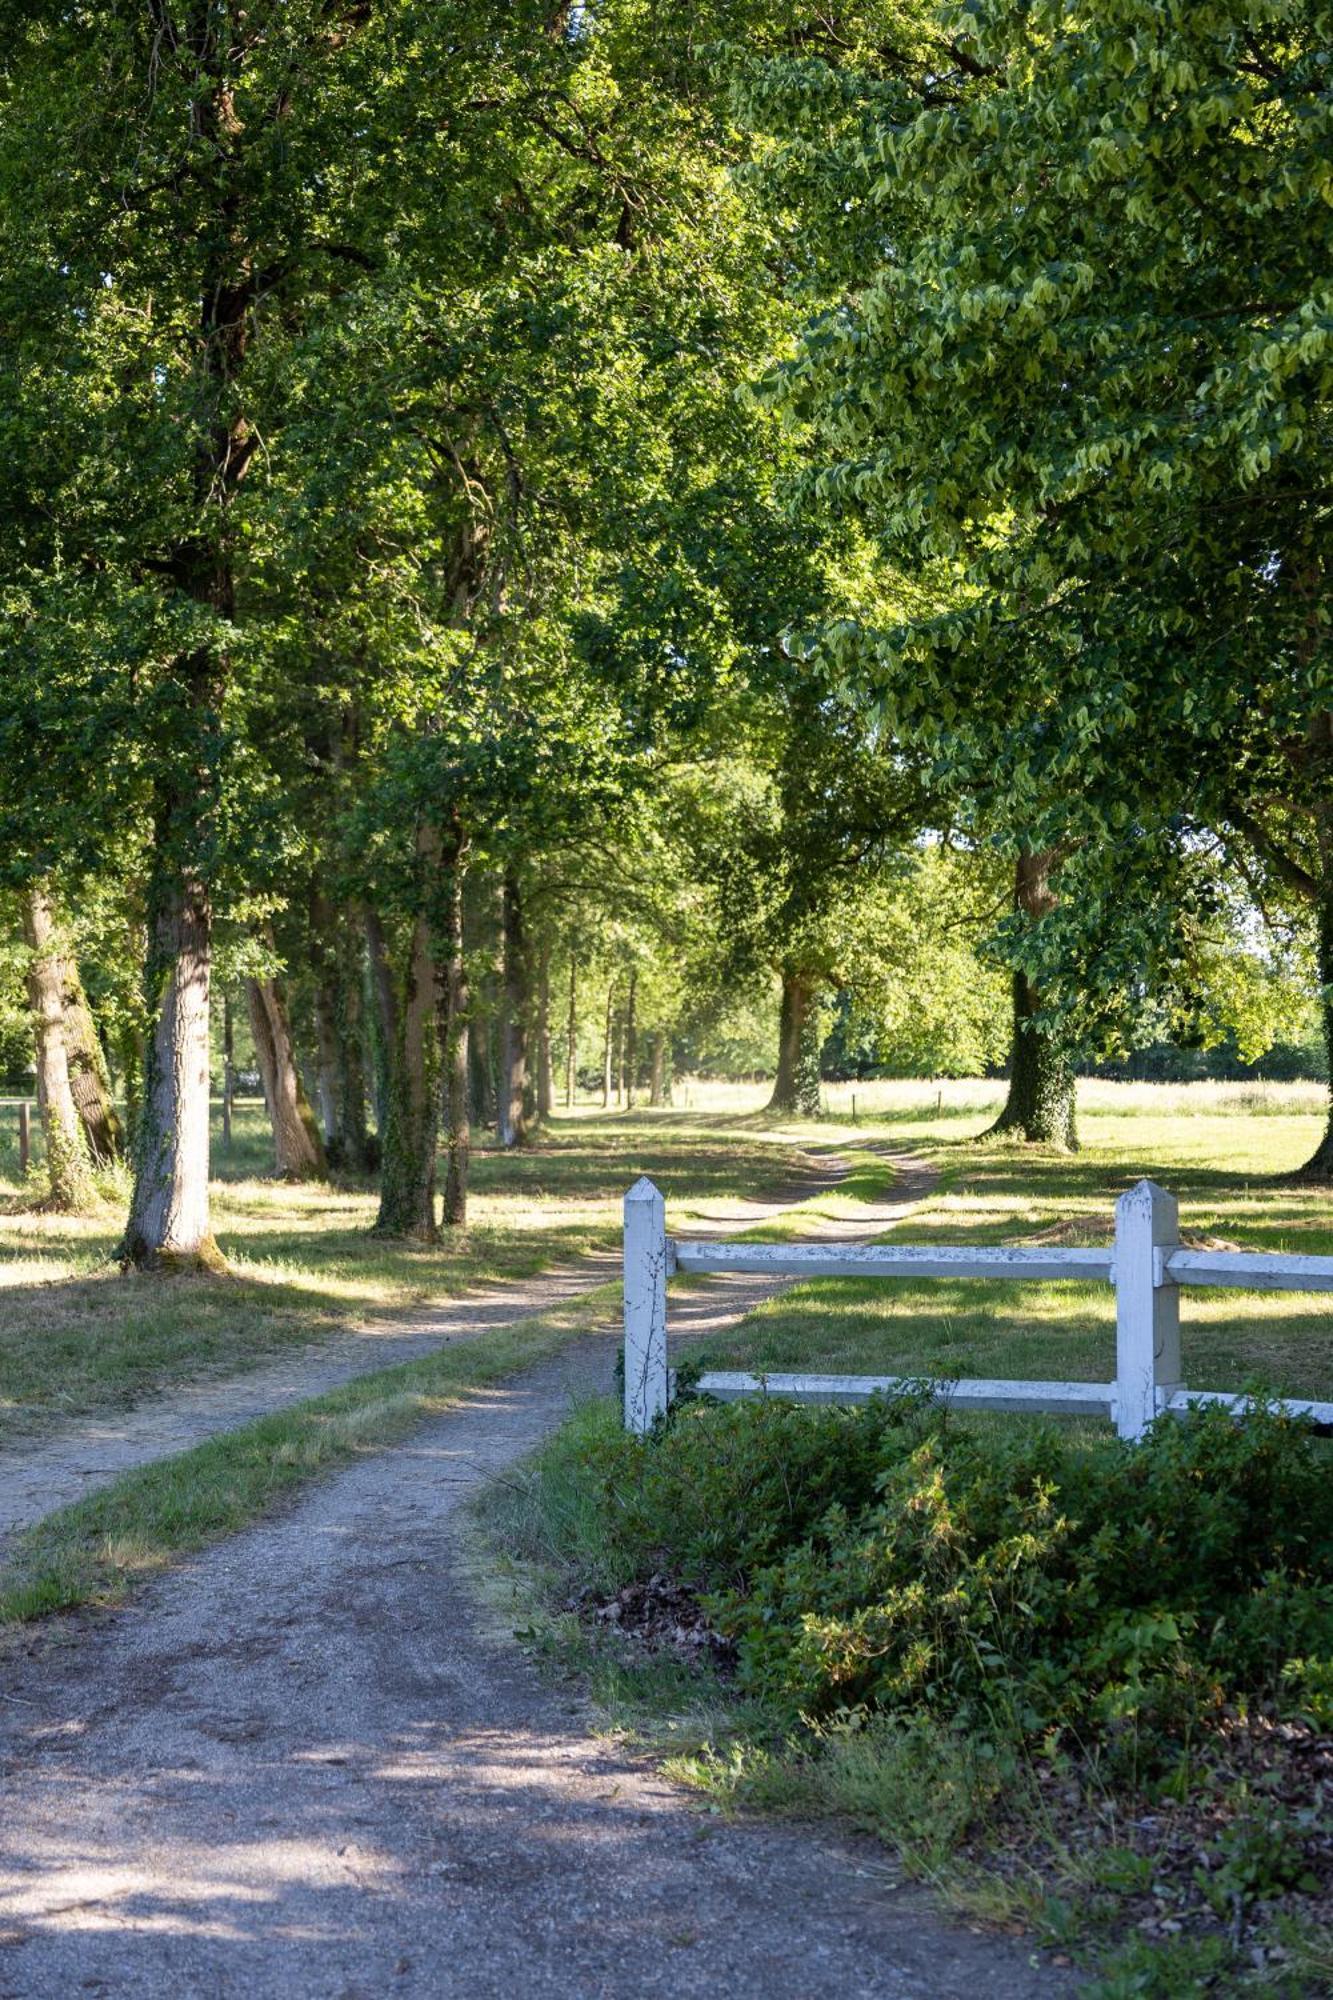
[(722, 1491), (887, 1560)]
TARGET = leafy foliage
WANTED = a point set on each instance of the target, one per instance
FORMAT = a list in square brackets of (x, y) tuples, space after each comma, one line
[(887, 1561)]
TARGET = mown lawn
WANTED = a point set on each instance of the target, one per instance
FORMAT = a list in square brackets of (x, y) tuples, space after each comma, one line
[(76, 1336), (1220, 1150)]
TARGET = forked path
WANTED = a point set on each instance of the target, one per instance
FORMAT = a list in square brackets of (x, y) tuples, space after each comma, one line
[(304, 1765), (36, 1479)]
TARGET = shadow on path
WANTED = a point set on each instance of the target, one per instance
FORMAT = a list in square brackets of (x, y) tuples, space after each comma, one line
[(297, 1768)]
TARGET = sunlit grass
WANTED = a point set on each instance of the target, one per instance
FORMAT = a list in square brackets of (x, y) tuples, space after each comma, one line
[(76, 1336), (102, 1547), (1219, 1163)]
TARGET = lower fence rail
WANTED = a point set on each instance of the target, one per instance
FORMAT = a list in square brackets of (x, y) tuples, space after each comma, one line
[(1146, 1267)]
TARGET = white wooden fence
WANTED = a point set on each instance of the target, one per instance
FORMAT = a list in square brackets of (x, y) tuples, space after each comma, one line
[(1147, 1267)]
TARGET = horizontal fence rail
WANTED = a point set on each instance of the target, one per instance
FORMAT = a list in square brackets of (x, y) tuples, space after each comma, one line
[(1147, 1267), (878, 1260), (1059, 1398), (1249, 1271)]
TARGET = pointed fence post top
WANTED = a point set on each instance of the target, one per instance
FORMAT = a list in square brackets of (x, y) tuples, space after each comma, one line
[(646, 1191), (1148, 1201)]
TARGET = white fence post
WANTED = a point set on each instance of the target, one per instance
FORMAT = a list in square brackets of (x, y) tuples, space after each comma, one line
[(1147, 1306), (646, 1389)]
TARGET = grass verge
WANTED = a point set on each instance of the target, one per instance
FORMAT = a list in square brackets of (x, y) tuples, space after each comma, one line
[(1219, 1165), (98, 1550)]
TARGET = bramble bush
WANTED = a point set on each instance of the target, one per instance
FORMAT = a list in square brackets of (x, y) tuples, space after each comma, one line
[(889, 1559)]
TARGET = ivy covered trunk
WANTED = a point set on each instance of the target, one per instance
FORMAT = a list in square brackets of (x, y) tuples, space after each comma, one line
[(411, 1125), (796, 1089), (1040, 1106), (168, 1226), (512, 1123), (297, 1146), (68, 1159)]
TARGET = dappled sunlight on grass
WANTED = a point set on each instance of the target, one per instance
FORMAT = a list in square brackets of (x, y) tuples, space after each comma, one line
[(304, 1262)]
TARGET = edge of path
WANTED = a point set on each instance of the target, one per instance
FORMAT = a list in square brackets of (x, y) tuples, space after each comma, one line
[(303, 1768), (66, 1475)]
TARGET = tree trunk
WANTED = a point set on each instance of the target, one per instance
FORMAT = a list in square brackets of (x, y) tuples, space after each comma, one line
[(383, 1015), (340, 1026), (572, 1034), (411, 1129), (169, 1218), (89, 1080), (513, 1120), (297, 1146), (69, 1164), (168, 1226), (326, 1090), (456, 1001), (796, 1086), (609, 1046), (545, 1080), (482, 1069), (661, 1073), (228, 1071), (1319, 1167), (631, 1039), (1040, 1106)]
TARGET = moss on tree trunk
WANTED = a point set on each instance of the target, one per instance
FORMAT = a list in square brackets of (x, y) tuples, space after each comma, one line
[(69, 1165), (796, 1087)]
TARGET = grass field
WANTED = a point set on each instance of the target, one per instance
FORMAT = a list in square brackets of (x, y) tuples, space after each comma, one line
[(1219, 1148), (76, 1336)]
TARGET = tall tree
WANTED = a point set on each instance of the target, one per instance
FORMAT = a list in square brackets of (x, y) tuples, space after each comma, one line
[(1082, 388)]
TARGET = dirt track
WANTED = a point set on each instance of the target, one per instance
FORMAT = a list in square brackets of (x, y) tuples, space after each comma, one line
[(305, 1765), (299, 1766), (36, 1479)]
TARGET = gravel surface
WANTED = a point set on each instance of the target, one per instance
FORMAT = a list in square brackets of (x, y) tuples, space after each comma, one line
[(304, 1764)]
